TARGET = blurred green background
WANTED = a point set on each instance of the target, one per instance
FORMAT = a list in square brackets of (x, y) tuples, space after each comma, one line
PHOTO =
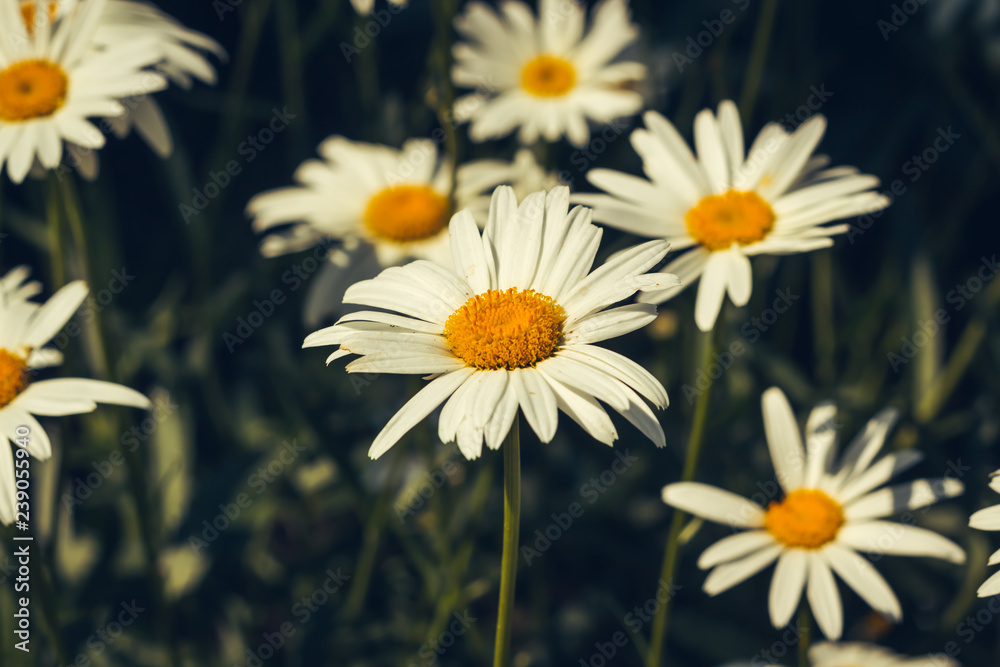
[(242, 522)]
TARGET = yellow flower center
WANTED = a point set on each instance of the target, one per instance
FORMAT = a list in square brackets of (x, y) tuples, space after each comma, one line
[(407, 213), (510, 329), (805, 518), (13, 376), (548, 76), (28, 10), (719, 221), (31, 89)]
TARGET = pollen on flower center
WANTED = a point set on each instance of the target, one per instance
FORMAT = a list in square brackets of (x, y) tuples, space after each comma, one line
[(13, 376), (719, 221), (548, 76), (806, 518), (509, 329), (407, 213), (31, 89)]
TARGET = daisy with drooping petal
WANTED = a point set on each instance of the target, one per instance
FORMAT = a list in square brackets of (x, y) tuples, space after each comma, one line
[(25, 327), (53, 79), (512, 327), (544, 75), (829, 512), (728, 205), (852, 654), (989, 519)]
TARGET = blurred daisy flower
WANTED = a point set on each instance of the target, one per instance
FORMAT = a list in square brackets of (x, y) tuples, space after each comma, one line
[(385, 206), (828, 513), (544, 75), (727, 205), (989, 519), (25, 327), (851, 654), (366, 6), (52, 78), (183, 60), (513, 326)]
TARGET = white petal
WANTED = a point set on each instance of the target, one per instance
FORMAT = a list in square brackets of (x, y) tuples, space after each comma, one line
[(859, 574), (712, 290), (54, 313), (714, 504), (986, 519), (886, 537), (909, 496), (417, 408), (783, 439), (728, 575), (786, 586), (537, 402), (734, 547), (824, 599)]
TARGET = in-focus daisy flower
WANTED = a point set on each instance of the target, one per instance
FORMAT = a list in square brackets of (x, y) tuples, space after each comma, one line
[(852, 654), (989, 519), (366, 6), (544, 75), (727, 205), (512, 326), (829, 512), (53, 79), (25, 327)]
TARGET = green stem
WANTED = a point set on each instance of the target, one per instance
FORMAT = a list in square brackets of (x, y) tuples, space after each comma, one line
[(372, 537), (660, 620), (52, 216), (822, 302), (440, 65), (804, 634), (511, 527), (758, 57)]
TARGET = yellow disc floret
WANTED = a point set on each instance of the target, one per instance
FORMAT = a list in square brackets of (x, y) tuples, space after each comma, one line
[(13, 376), (548, 76), (806, 518), (31, 89), (509, 329), (719, 221), (406, 213)]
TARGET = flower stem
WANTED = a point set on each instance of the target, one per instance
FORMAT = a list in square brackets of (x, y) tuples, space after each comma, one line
[(52, 216), (659, 632), (804, 634), (758, 57), (511, 526)]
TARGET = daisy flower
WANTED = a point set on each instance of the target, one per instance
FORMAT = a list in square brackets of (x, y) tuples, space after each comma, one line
[(544, 75), (989, 519), (25, 327), (829, 512), (851, 654), (727, 207), (184, 60), (384, 205), (511, 327), (366, 6), (53, 79)]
